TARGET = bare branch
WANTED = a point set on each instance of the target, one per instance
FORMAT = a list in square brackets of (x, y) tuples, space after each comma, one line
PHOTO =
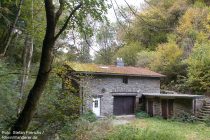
[(155, 28), (67, 21), (120, 23), (85, 35), (121, 13)]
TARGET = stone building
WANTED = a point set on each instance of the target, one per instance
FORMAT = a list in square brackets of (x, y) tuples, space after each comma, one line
[(123, 90)]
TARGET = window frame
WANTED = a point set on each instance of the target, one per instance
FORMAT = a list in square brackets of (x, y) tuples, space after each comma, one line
[(125, 79)]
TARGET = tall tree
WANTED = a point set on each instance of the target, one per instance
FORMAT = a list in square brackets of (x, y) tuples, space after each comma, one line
[(151, 26), (79, 10), (107, 43), (27, 58)]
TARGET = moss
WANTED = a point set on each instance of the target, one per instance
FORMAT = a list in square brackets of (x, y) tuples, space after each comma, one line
[(83, 67)]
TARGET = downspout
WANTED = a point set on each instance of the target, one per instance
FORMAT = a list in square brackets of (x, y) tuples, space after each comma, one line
[(82, 99)]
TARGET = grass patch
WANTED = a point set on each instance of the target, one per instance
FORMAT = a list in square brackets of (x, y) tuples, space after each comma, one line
[(141, 129), (134, 133), (158, 129), (97, 130)]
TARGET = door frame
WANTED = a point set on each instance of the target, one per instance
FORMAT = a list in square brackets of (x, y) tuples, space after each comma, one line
[(169, 108), (98, 99), (133, 100), (150, 107), (164, 108)]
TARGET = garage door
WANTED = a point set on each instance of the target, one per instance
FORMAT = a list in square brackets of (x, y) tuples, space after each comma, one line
[(124, 105)]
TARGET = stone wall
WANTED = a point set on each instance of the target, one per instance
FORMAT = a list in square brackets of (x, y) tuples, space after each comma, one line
[(198, 105), (106, 87), (181, 105)]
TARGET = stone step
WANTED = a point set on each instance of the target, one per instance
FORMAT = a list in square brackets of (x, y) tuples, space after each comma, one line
[(205, 108), (201, 119), (205, 111), (203, 116)]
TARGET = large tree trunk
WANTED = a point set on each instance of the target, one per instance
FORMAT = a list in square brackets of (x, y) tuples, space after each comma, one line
[(45, 66), (29, 109)]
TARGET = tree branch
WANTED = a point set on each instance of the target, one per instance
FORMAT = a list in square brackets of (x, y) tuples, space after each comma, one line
[(60, 10), (85, 37), (153, 27), (67, 21)]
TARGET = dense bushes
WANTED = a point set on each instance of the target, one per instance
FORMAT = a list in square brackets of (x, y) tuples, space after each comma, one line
[(198, 70)]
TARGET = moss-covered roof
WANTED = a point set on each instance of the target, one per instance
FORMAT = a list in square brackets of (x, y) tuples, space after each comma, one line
[(112, 70)]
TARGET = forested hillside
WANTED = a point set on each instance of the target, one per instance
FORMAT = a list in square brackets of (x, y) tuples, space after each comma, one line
[(171, 37)]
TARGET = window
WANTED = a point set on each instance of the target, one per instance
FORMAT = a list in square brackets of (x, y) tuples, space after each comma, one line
[(140, 100), (125, 80), (96, 103)]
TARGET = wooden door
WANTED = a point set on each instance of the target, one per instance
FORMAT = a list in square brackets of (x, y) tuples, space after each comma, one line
[(123, 105), (164, 108), (170, 108), (150, 107)]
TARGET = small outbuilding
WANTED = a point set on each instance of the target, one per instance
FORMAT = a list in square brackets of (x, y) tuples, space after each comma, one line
[(168, 105)]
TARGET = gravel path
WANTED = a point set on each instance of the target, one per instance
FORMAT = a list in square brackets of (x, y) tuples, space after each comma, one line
[(120, 120)]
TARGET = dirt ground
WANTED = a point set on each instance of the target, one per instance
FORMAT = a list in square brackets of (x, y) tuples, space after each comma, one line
[(124, 119)]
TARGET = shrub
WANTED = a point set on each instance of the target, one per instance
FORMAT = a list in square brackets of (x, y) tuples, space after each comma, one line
[(89, 116), (208, 121), (141, 115)]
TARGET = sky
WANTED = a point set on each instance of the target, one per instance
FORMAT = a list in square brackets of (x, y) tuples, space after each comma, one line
[(111, 16)]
